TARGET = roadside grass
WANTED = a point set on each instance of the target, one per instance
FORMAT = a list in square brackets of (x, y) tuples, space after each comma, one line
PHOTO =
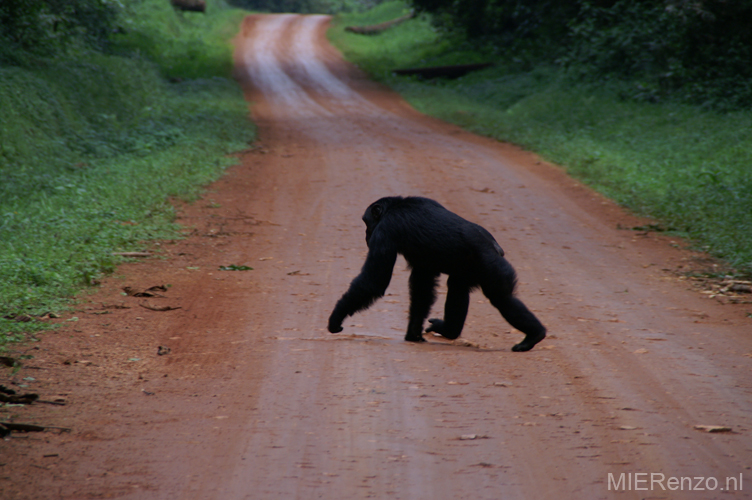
[(93, 145), (685, 166)]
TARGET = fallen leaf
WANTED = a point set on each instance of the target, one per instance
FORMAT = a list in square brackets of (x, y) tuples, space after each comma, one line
[(20, 399), (149, 292), (465, 343), (8, 361), (713, 428), (133, 254), (234, 267), (150, 307)]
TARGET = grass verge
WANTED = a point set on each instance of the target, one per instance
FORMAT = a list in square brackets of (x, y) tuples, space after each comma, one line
[(683, 165), (93, 145)]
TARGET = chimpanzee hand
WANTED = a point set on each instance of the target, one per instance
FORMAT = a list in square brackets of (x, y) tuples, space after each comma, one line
[(436, 325), (335, 324), (442, 328)]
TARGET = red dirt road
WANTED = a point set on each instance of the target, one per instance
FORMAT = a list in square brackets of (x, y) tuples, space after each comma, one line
[(255, 400)]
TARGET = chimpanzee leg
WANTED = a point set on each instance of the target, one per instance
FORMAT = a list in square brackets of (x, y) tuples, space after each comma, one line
[(422, 297), (498, 285), (455, 310), (520, 317)]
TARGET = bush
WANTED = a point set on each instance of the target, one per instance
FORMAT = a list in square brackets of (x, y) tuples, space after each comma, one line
[(42, 27), (697, 51)]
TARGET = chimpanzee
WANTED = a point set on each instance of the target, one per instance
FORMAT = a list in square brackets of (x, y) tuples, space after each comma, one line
[(434, 240)]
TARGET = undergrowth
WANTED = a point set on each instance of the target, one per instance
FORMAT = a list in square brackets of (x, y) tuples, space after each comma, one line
[(93, 144), (684, 165)]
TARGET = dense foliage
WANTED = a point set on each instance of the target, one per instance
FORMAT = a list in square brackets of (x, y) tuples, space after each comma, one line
[(697, 50), (42, 26)]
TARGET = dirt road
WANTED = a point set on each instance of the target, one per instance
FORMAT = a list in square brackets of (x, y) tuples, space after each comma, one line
[(255, 400)]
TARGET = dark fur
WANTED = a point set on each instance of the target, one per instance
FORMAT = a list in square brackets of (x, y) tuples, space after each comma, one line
[(434, 240)]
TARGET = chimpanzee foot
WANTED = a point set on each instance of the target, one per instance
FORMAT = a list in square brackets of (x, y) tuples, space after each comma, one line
[(529, 342), (414, 338)]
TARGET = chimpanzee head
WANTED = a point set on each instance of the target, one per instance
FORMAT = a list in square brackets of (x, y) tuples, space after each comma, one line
[(371, 218), (375, 212)]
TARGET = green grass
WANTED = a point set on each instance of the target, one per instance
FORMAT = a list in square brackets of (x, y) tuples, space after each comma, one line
[(685, 166), (92, 146)]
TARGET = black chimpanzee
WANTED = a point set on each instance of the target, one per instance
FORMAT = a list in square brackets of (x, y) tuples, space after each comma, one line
[(434, 240)]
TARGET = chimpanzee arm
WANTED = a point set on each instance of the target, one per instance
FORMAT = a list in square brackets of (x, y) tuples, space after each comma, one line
[(369, 285)]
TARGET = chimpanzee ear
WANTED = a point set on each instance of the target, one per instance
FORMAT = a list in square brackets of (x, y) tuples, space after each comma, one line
[(376, 212)]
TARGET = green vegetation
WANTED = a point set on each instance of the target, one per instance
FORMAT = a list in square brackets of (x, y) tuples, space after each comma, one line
[(685, 165), (94, 139)]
